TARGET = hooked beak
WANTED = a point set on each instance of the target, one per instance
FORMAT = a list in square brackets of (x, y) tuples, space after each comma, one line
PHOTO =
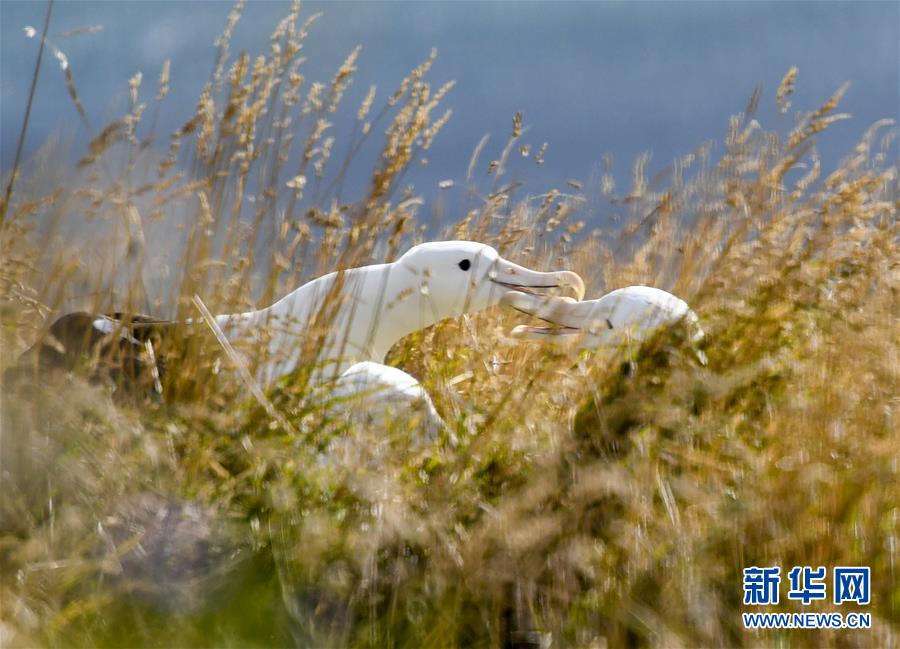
[(561, 312), (520, 279)]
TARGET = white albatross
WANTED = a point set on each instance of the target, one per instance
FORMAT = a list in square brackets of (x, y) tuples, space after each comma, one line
[(362, 312), (624, 316)]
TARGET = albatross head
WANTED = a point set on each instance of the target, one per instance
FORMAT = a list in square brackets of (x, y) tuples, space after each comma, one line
[(457, 277), (627, 314)]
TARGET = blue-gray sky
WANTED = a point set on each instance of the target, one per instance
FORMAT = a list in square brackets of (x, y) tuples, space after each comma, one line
[(590, 78)]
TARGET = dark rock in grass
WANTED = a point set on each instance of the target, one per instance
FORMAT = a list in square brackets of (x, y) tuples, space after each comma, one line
[(170, 554)]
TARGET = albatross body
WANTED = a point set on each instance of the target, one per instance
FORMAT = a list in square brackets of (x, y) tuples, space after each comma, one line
[(357, 315)]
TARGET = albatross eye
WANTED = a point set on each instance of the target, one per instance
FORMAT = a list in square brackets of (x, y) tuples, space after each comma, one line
[(465, 264)]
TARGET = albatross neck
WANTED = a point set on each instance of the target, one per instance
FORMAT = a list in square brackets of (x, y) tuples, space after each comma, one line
[(376, 306)]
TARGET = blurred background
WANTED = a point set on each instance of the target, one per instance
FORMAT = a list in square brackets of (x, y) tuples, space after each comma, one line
[(590, 78)]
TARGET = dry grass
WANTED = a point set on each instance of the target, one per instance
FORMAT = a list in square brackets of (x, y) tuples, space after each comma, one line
[(617, 503)]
